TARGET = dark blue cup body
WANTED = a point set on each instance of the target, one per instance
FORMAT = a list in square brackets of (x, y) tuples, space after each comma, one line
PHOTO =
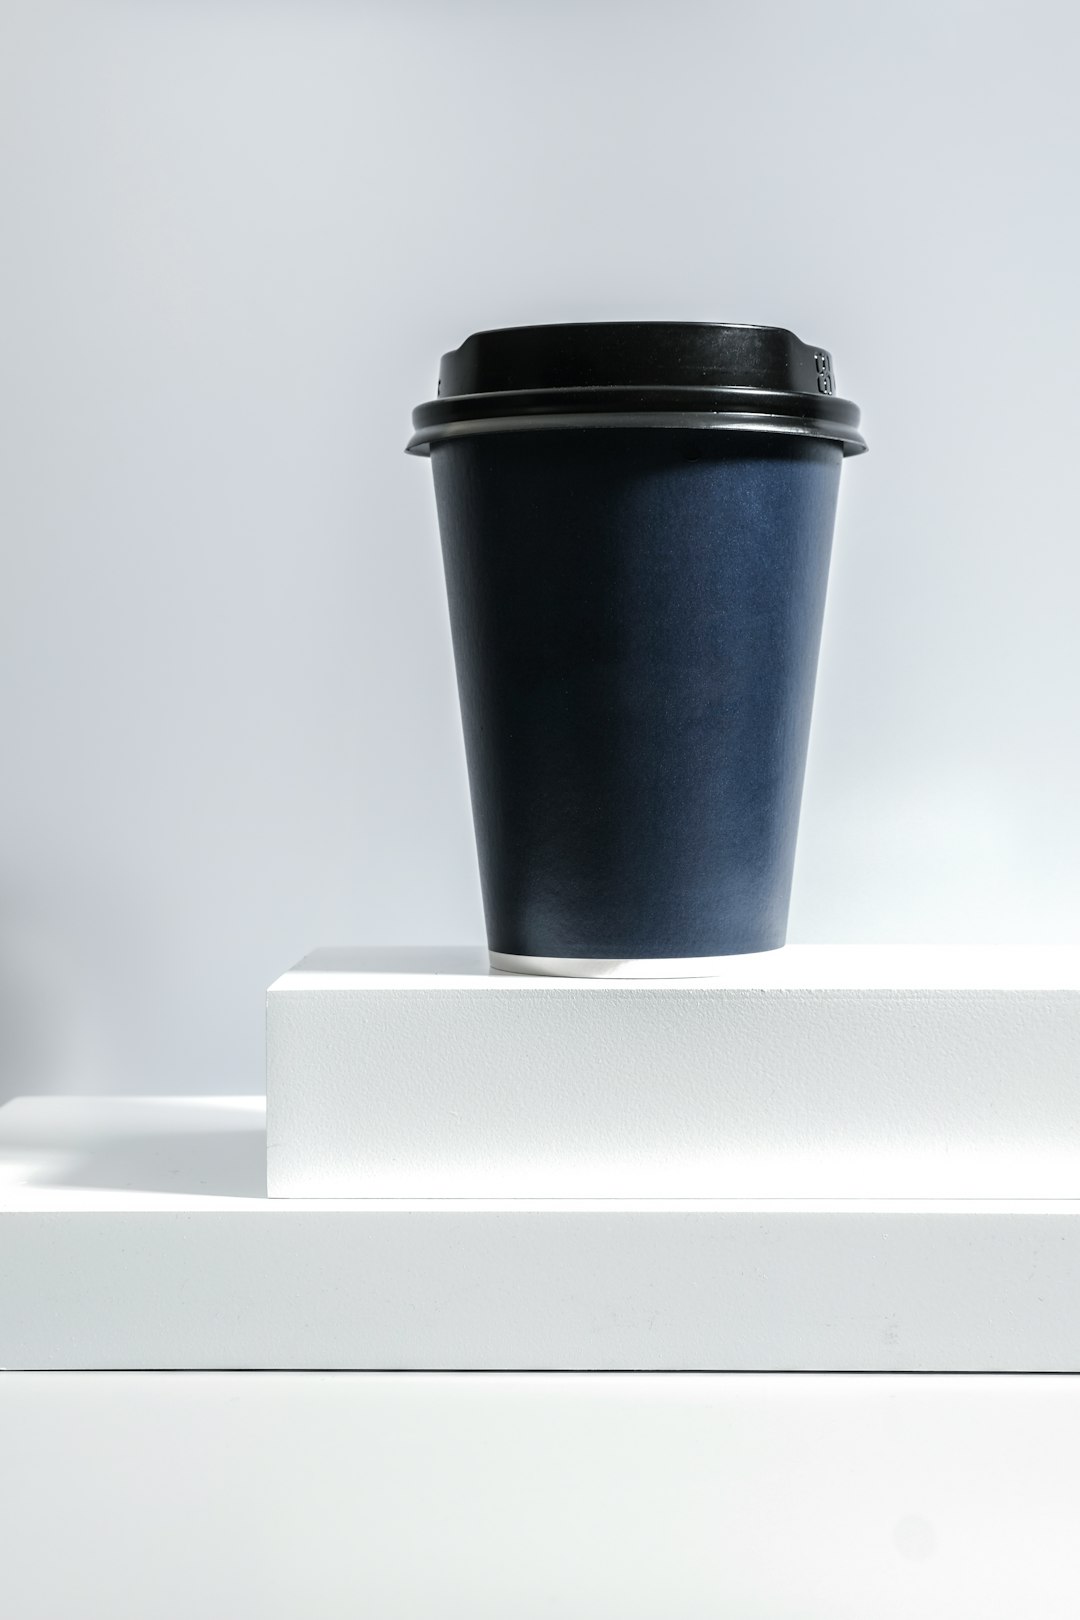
[(636, 613)]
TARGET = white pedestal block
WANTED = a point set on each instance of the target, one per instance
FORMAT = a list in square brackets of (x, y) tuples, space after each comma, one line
[(812, 1072), (134, 1233)]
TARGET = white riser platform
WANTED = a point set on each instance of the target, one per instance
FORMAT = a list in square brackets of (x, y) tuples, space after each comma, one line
[(172, 1496), (133, 1235), (816, 1072)]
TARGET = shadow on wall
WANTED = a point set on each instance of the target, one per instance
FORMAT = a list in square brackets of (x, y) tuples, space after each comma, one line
[(53, 1003)]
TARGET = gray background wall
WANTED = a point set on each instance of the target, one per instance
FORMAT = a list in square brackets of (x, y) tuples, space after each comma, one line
[(236, 237)]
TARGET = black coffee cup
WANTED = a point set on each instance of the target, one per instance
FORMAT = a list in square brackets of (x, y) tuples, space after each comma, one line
[(636, 522)]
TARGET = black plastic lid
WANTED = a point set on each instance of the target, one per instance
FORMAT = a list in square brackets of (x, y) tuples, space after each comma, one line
[(637, 374)]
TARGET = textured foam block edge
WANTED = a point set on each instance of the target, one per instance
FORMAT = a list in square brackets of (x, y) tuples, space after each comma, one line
[(812, 1072)]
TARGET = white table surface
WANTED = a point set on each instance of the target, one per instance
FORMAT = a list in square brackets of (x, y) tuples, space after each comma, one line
[(180, 1496)]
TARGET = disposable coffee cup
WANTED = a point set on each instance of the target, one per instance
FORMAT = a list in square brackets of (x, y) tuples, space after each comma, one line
[(636, 522)]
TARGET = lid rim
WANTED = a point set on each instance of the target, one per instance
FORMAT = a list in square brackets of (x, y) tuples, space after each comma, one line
[(636, 396), (846, 436)]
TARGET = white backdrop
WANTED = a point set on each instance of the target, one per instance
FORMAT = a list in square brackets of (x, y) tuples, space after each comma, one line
[(236, 238)]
